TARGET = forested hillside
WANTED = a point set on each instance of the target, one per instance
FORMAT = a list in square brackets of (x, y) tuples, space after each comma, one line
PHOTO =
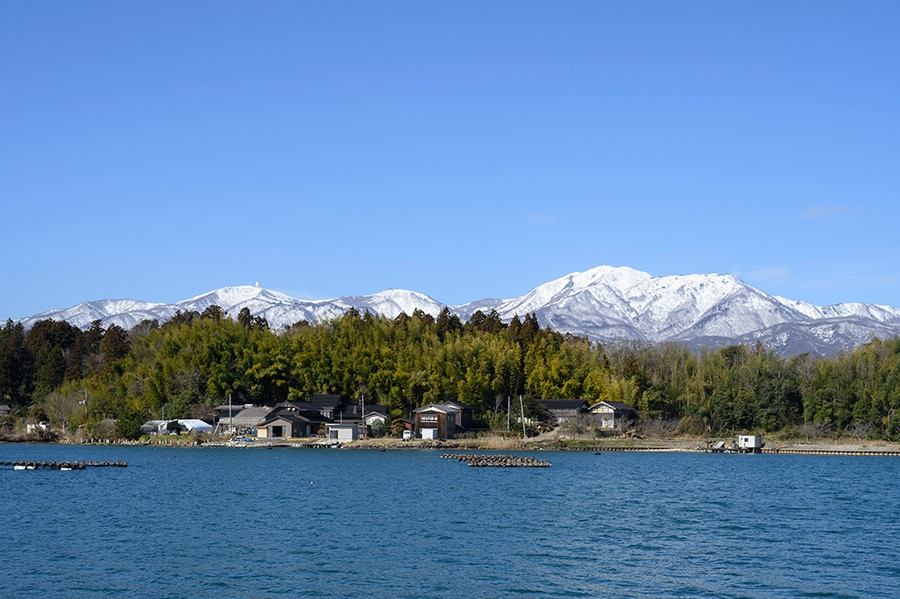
[(195, 361)]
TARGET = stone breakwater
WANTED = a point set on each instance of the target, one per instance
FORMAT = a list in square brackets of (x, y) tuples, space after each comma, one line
[(65, 465), (496, 460)]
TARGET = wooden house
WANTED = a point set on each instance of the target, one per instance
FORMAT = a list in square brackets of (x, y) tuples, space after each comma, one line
[(436, 421), (348, 413), (561, 410), (610, 414), (463, 416), (279, 426), (291, 419), (328, 404), (225, 415), (376, 416)]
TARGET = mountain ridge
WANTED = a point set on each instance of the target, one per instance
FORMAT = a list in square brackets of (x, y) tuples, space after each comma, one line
[(604, 304)]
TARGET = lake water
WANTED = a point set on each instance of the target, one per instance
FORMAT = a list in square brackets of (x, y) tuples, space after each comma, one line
[(220, 522)]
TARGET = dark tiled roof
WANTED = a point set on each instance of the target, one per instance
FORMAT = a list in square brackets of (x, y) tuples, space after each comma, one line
[(286, 416), (326, 400), (249, 416), (378, 409), (616, 405), (458, 404), (562, 404), (446, 408), (300, 406)]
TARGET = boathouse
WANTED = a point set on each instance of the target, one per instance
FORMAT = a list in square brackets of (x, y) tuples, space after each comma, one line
[(750, 443)]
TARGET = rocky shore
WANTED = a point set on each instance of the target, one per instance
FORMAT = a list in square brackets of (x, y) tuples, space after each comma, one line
[(822, 446), (549, 442)]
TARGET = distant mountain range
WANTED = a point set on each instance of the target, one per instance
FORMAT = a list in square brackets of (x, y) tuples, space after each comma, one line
[(604, 304)]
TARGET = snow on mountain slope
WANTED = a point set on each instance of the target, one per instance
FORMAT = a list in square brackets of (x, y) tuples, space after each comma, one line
[(606, 286), (239, 297), (85, 313), (392, 302), (868, 311), (604, 304), (610, 303), (825, 336), (278, 309), (465, 311)]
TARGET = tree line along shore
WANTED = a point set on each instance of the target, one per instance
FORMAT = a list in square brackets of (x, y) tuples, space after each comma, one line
[(104, 382)]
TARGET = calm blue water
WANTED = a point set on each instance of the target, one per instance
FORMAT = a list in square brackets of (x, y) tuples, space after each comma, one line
[(355, 523)]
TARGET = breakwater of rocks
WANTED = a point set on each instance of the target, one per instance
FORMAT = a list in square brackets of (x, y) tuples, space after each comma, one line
[(496, 460), (65, 465)]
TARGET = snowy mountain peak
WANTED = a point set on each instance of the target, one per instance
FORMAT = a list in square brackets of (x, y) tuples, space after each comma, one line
[(392, 302), (621, 277), (605, 303), (237, 295)]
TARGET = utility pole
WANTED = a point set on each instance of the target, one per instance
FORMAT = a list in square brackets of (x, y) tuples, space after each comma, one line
[(522, 407), (362, 402)]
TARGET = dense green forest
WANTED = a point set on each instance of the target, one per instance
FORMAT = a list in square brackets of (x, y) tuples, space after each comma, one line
[(185, 366)]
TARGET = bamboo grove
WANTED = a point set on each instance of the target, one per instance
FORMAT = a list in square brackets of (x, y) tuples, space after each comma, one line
[(187, 365)]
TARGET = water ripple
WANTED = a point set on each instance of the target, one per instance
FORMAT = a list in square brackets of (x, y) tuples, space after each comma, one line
[(307, 523)]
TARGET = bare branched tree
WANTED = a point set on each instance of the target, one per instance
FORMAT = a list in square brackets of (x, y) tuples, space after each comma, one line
[(62, 408), (813, 431)]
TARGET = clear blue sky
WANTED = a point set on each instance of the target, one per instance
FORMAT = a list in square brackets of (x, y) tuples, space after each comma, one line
[(159, 150)]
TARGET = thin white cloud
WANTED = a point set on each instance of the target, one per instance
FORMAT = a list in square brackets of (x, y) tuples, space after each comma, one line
[(820, 212)]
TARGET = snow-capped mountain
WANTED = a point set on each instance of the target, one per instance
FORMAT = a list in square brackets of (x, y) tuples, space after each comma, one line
[(604, 304)]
